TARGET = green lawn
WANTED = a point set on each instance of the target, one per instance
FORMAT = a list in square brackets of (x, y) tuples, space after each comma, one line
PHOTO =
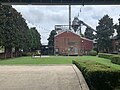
[(100, 60), (55, 60), (43, 60)]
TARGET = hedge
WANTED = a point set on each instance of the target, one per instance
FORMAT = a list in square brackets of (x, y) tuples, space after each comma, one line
[(99, 76), (105, 55), (115, 59), (35, 53), (92, 53), (26, 53)]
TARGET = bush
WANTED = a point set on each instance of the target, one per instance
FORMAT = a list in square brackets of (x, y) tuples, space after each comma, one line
[(99, 76), (105, 55), (26, 53), (36, 53), (92, 53), (115, 59)]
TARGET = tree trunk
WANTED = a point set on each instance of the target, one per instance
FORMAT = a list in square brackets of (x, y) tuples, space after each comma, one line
[(8, 52), (16, 51), (5, 53)]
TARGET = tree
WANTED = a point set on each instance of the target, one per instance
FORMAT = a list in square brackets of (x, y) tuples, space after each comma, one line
[(0, 36), (51, 41), (7, 28), (105, 31), (22, 33), (117, 27), (34, 39), (13, 30), (118, 30), (89, 33)]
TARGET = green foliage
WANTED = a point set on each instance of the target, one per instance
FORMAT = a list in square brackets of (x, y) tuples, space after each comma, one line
[(13, 30), (93, 53), (118, 30), (34, 39), (36, 53), (26, 54), (89, 34), (105, 30), (82, 35), (115, 59), (15, 33), (117, 27), (105, 55), (51, 38), (51, 41), (7, 28), (99, 76)]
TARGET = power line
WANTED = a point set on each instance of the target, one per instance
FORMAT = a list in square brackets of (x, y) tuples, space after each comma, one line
[(38, 26)]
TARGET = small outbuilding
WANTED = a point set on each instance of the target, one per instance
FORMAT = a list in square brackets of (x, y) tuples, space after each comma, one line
[(70, 43)]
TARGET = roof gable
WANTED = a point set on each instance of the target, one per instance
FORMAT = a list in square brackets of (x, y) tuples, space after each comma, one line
[(65, 32), (74, 34)]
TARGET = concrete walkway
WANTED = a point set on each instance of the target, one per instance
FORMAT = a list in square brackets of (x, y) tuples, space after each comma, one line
[(49, 77)]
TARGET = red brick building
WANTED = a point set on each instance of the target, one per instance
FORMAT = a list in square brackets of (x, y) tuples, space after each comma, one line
[(69, 43)]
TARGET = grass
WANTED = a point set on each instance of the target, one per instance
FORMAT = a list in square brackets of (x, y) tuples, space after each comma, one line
[(56, 60), (92, 66), (43, 60), (106, 62)]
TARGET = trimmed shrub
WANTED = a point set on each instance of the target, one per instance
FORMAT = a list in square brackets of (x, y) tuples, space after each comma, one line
[(99, 76), (115, 59), (105, 55), (26, 53), (92, 53), (36, 53)]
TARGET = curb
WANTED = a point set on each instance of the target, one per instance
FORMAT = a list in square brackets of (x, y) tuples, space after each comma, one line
[(39, 65), (82, 81)]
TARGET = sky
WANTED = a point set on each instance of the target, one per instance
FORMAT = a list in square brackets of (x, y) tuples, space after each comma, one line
[(45, 17)]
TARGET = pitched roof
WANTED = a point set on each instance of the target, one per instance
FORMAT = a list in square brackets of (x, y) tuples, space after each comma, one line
[(73, 33)]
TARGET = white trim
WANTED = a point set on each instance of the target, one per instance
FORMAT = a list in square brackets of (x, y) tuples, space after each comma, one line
[(86, 39)]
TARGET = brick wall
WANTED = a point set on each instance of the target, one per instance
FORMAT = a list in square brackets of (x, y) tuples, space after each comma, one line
[(72, 44)]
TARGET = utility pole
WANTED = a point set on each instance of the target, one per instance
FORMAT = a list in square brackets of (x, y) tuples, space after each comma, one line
[(69, 17)]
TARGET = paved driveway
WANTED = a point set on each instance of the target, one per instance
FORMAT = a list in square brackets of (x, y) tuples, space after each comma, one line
[(50, 77)]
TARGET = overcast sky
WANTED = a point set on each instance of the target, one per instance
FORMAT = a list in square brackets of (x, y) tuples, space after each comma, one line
[(45, 17)]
